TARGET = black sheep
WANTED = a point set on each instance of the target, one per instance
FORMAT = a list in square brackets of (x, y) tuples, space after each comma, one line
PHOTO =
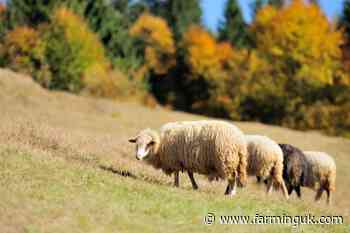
[(295, 168)]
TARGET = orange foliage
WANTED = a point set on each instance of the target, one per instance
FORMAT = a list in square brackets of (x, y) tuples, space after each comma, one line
[(160, 49), (2, 9), (201, 51), (24, 51), (205, 56)]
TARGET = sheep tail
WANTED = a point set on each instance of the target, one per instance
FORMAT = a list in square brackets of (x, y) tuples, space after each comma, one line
[(242, 169)]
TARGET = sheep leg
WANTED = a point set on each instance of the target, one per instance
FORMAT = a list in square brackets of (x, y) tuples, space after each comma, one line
[(269, 186), (319, 194), (258, 179), (193, 181), (284, 189), (231, 186), (290, 189), (176, 179), (297, 190), (329, 196)]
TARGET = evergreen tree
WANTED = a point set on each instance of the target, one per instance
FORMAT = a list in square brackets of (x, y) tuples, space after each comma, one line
[(276, 3), (344, 21), (234, 29), (110, 20), (29, 12), (180, 14)]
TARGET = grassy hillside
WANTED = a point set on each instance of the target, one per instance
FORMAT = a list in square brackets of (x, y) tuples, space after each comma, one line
[(66, 166)]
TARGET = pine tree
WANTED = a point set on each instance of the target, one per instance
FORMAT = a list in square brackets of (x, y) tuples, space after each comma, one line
[(29, 12), (110, 21), (276, 3), (234, 29), (344, 21), (180, 14)]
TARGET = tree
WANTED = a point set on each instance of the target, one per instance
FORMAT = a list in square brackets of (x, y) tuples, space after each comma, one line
[(180, 14), (24, 51), (74, 63), (234, 29), (29, 12), (110, 20), (308, 49), (258, 4), (276, 3), (3, 26), (344, 21), (255, 6), (160, 48)]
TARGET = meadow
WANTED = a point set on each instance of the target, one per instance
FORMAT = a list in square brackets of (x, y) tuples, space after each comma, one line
[(67, 166)]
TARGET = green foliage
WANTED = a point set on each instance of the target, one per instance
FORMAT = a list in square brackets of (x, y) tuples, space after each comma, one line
[(276, 3), (344, 21), (29, 12), (111, 21), (180, 14), (234, 29), (71, 59)]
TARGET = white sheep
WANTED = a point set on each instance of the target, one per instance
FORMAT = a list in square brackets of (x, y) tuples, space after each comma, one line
[(321, 175), (213, 148), (265, 161)]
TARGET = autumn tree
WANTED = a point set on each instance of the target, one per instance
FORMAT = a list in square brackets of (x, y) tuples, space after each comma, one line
[(308, 49), (75, 63), (160, 48), (3, 23), (257, 5), (24, 51), (234, 28)]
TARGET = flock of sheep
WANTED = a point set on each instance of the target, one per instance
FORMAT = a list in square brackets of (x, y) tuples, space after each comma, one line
[(220, 150)]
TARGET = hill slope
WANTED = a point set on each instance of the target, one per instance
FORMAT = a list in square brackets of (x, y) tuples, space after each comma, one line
[(66, 166)]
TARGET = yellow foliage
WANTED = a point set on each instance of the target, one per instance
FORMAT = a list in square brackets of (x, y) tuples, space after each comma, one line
[(22, 40), (300, 37), (160, 49), (77, 31)]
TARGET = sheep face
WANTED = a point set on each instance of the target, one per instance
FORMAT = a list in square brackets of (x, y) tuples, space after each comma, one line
[(144, 145)]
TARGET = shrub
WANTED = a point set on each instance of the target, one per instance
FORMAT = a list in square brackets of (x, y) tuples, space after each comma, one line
[(74, 53), (24, 51), (160, 48)]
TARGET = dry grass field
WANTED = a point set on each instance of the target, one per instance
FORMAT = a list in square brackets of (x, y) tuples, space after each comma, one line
[(66, 166)]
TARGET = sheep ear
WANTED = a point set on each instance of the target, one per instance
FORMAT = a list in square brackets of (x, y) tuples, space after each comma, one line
[(132, 140)]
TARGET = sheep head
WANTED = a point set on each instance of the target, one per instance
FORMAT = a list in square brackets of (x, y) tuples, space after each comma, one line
[(147, 143)]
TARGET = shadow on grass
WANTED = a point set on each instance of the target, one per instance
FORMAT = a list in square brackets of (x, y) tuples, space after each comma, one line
[(123, 173)]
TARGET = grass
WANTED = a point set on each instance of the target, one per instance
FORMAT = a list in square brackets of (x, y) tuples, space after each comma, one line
[(66, 166)]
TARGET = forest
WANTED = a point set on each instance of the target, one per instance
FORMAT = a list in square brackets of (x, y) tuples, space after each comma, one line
[(289, 66)]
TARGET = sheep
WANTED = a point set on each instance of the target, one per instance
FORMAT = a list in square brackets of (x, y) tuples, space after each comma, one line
[(322, 174), (265, 160), (295, 168), (212, 148)]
